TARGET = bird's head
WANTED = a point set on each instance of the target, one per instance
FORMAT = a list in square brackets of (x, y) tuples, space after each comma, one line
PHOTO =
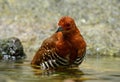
[(66, 24)]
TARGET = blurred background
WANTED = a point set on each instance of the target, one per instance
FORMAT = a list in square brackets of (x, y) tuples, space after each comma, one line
[(34, 20)]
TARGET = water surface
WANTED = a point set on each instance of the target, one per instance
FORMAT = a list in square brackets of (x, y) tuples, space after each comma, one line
[(93, 69)]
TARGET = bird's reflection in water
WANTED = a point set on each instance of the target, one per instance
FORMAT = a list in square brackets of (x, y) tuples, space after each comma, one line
[(66, 75)]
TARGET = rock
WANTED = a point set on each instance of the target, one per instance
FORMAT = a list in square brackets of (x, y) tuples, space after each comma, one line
[(11, 49)]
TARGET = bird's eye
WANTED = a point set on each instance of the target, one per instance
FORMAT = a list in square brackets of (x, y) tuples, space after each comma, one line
[(67, 25)]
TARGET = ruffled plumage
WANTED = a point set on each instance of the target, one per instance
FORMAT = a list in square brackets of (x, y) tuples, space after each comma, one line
[(66, 47)]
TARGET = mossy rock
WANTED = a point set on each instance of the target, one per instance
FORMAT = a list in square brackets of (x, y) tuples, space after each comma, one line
[(11, 49)]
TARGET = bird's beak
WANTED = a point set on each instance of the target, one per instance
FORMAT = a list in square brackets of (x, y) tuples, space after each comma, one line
[(59, 29)]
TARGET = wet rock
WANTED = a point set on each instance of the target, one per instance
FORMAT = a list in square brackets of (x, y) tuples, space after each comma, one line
[(11, 49)]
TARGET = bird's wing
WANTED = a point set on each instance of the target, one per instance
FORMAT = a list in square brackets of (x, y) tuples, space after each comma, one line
[(81, 50), (81, 53), (80, 57), (47, 57)]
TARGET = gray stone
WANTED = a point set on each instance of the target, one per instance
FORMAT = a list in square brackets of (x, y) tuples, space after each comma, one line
[(11, 49)]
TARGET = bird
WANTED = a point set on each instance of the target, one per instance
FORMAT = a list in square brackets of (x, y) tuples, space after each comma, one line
[(66, 47)]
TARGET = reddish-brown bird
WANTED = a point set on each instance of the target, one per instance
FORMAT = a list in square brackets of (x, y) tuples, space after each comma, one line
[(66, 47)]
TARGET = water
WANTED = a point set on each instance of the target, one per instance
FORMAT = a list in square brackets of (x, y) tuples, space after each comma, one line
[(93, 69)]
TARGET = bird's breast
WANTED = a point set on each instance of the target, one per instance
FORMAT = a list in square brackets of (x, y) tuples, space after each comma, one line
[(63, 48)]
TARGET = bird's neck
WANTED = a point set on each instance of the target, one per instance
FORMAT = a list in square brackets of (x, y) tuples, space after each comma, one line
[(71, 33)]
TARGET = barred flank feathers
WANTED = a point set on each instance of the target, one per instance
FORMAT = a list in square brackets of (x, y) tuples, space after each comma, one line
[(54, 61)]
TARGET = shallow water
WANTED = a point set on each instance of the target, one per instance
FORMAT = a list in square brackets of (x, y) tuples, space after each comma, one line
[(93, 69)]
